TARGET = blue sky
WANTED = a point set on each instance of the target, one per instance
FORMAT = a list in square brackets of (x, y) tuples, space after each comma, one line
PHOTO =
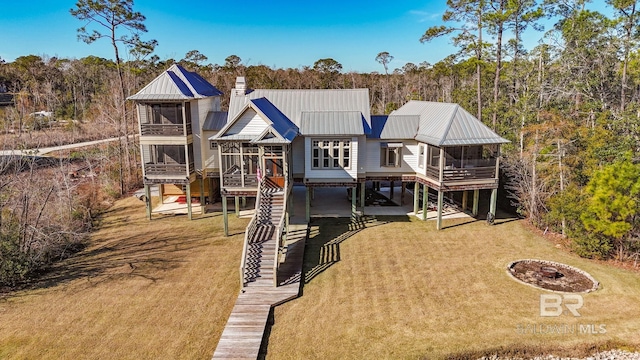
[(276, 33)]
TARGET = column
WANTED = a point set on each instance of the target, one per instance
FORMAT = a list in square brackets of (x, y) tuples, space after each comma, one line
[(237, 205), (391, 190), (416, 197), (403, 188), (440, 201), (147, 195), (225, 215), (202, 193), (425, 197), (476, 196), (354, 194), (362, 196), (308, 204), (492, 207), (465, 198), (189, 211)]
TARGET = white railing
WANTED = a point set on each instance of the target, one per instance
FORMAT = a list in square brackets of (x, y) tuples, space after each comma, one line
[(248, 235), (279, 233)]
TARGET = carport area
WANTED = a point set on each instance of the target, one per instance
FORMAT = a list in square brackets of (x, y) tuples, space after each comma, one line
[(335, 202)]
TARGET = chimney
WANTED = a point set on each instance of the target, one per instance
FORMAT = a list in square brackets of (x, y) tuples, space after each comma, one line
[(241, 86)]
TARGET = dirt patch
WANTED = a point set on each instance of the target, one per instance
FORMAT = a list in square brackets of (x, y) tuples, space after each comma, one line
[(553, 276)]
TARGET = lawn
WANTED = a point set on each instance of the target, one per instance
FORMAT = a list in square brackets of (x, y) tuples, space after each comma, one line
[(141, 290), (401, 289), (396, 288)]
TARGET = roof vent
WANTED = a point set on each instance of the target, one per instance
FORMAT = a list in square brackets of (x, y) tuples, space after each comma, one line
[(241, 86)]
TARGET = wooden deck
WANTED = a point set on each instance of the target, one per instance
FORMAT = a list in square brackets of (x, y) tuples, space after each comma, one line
[(242, 336)]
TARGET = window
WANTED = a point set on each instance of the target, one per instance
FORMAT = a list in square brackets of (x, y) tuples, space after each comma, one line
[(166, 114), (331, 154), (434, 156), (421, 156), (390, 154), (213, 145)]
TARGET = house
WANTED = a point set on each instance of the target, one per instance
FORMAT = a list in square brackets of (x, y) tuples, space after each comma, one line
[(270, 139), (175, 111)]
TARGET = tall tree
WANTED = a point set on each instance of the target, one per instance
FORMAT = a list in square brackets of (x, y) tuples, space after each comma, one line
[(627, 12), (468, 18), (385, 58), (110, 19)]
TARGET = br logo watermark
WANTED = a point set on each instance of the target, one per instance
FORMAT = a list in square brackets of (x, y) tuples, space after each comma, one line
[(555, 305)]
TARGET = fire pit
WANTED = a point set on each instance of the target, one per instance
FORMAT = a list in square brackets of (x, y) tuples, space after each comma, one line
[(551, 275), (550, 272)]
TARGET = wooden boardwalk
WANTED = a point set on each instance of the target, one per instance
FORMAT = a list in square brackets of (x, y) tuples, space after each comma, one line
[(243, 334)]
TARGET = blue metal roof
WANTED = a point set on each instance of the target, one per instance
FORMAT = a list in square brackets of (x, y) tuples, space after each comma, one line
[(176, 83), (279, 121), (199, 84), (184, 89), (377, 124)]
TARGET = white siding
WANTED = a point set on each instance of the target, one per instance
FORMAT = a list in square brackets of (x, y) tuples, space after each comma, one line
[(209, 157), (409, 157), (197, 136), (332, 174), (250, 123), (298, 155), (199, 110), (422, 170)]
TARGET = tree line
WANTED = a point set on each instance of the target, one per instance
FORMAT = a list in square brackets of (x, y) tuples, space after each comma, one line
[(569, 105)]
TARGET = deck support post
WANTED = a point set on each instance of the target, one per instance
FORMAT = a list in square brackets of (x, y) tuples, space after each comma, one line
[(202, 193), (212, 198), (237, 206), (416, 197), (161, 193), (290, 204), (440, 201), (492, 206), (313, 193), (403, 190), (189, 210), (425, 204), (354, 195), (465, 198), (476, 196), (244, 202), (147, 200), (225, 215), (391, 190), (307, 204), (362, 196)]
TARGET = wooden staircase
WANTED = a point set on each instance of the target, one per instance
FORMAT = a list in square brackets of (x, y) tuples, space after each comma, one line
[(262, 242)]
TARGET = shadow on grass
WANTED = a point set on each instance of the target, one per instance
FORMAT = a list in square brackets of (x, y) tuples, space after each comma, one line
[(322, 248), (146, 255)]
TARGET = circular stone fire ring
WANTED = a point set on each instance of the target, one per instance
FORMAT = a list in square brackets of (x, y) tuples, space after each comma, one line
[(552, 276)]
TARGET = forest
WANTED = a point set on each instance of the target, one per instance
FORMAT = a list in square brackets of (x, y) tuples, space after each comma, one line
[(570, 107)]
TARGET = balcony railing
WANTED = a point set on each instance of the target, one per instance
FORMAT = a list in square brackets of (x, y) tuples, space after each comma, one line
[(164, 129), (167, 169), (462, 174), (235, 180)]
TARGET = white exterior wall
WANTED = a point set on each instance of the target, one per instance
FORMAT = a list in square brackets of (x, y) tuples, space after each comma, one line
[(209, 157), (329, 175), (250, 123), (298, 155), (409, 162), (422, 170), (199, 110)]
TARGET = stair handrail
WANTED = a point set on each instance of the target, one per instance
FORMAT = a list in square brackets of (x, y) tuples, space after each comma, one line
[(281, 226), (248, 235)]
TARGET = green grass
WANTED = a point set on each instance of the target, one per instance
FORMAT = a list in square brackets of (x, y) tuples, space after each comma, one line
[(394, 289), (404, 290), (141, 290)]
